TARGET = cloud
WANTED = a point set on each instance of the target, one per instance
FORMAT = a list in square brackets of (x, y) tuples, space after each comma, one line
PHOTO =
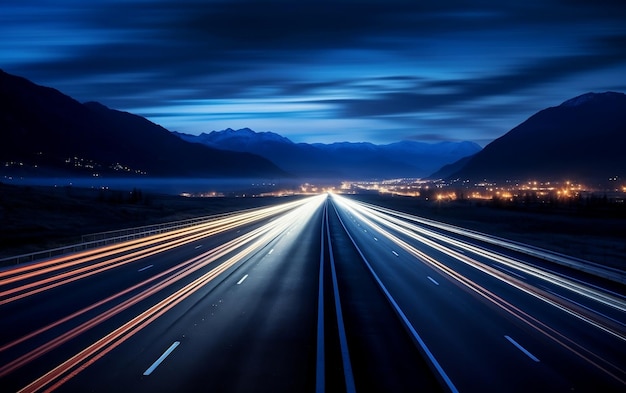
[(459, 91), (409, 65)]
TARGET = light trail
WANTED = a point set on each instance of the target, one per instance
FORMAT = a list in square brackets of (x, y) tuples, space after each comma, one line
[(545, 296), (244, 246), (412, 231), (145, 247), (402, 241), (360, 212), (51, 265), (169, 276), (610, 299), (491, 239), (88, 356)]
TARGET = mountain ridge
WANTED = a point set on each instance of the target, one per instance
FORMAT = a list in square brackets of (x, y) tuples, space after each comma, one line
[(347, 160)]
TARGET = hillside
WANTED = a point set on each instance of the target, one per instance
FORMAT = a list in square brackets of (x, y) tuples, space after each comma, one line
[(45, 132), (582, 139)]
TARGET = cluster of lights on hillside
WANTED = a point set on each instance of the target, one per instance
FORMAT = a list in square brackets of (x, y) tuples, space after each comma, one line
[(81, 163), (89, 164)]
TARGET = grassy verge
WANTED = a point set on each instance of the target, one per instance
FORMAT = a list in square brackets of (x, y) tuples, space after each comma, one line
[(39, 218)]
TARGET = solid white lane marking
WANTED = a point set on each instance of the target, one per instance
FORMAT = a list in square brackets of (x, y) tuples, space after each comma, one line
[(243, 278), (433, 280), (530, 355), (394, 253), (161, 359), (145, 268), (271, 251), (197, 247), (508, 271)]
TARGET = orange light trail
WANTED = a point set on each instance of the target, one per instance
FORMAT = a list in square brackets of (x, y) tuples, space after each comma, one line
[(244, 246), (174, 239)]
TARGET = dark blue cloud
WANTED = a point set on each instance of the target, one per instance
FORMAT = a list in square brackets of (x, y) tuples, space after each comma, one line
[(321, 70)]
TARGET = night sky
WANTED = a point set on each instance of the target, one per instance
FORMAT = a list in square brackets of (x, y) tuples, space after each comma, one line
[(322, 71)]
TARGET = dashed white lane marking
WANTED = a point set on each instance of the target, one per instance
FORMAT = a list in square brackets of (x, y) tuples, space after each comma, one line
[(433, 280), (145, 268), (271, 251), (161, 358), (530, 355), (394, 253), (243, 278), (376, 238), (197, 247)]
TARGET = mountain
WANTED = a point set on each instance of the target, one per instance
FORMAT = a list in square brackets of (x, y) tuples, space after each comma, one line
[(449, 170), (584, 139), (345, 160), (45, 132)]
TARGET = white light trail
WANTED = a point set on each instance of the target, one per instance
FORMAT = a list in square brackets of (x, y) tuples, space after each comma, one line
[(414, 231), (367, 217), (236, 251)]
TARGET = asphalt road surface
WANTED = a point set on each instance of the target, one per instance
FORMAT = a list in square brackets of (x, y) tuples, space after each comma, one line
[(320, 294)]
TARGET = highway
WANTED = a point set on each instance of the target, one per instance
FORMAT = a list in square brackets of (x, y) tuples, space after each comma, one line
[(321, 294)]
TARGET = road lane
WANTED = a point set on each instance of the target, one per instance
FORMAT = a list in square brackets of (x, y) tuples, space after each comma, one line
[(90, 323), (237, 305), (383, 355), (491, 308), (258, 335)]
